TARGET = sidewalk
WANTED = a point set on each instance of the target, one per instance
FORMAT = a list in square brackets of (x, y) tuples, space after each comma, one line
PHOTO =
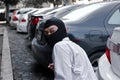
[(6, 66)]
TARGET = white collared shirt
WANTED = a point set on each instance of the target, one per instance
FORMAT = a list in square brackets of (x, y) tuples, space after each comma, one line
[(71, 62)]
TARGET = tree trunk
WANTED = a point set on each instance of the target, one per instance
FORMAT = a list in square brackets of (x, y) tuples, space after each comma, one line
[(7, 13)]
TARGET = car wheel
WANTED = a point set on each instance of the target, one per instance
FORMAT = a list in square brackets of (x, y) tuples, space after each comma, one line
[(94, 60)]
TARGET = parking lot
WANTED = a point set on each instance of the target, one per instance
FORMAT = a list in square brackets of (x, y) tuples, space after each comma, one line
[(23, 64), (24, 45)]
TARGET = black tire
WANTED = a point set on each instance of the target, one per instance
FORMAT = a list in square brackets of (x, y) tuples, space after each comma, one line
[(94, 59)]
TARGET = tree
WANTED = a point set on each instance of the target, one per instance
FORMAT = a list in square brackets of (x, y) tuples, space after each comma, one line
[(7, 3), (11, 2), (34, 3), (38, 3)]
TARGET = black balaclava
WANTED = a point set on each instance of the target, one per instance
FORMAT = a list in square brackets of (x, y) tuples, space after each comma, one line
[(59, 34)]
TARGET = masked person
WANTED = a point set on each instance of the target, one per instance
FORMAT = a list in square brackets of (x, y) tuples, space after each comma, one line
[(70, 62)]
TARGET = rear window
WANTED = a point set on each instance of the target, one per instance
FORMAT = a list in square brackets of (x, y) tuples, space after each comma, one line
[(25, 12), (82, 12), (58, 9), (12, 10)]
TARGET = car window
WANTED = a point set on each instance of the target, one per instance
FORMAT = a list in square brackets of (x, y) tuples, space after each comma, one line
[(12, 10), (115, 18), (74, 15), (18, 12), (24, 12), (58, 9), (46, 11)]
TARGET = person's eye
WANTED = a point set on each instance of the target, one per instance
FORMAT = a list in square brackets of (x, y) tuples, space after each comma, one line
[(45, 32), (52, 31)]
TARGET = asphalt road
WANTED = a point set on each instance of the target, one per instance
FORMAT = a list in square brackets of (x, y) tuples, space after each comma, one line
[(23, 64)]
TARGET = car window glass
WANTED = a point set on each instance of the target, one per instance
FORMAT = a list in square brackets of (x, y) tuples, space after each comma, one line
[(46, 11), (25, 11), (58, 9), (115, 18), (18, 12), (82, 11)]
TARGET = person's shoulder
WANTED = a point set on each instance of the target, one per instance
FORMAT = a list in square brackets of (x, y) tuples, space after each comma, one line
[(65, 42), (60, 43)]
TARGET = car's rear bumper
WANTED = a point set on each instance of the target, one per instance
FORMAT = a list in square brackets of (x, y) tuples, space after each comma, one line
[(104, 71), (22, 27), (13, 24), (42, 53)]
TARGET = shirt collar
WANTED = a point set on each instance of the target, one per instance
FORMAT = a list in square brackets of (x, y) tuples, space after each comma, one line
[(66, 39)]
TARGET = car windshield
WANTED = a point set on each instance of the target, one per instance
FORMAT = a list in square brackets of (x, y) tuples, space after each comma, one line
[(82, 12), (58, 9)]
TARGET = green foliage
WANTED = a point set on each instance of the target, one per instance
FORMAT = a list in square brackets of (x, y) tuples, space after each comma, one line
[(11, 2), (38, 3), (34, 3)]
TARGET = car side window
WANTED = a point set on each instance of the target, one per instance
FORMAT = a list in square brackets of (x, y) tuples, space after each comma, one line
[(18, 12), (115, 18)]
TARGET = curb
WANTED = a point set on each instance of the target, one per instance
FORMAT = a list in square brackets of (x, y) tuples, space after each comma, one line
[(6, 65)]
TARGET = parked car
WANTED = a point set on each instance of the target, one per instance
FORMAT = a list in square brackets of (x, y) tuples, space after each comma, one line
[(109, 66), (23, 20), (89, 27), (15, 17), (57, 12), (2, 13), (92, 27), (33, 20), (11, 10)]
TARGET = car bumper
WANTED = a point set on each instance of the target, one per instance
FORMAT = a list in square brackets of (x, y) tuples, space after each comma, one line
[(104, 71), (22, 27), (42, 53), (13, 24)]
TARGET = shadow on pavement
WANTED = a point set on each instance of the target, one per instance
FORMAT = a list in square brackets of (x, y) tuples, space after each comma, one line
[(41, 71)]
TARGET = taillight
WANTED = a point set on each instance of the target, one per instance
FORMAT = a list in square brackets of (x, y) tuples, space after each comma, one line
[(113, 46), (15, 18), (35, 20), (108, 54), (23, 20)]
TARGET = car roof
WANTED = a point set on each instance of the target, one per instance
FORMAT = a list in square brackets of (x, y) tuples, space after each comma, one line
[(60, 8), (101, 12), (64, 12)]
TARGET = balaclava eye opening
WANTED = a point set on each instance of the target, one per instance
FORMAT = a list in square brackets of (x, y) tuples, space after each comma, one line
[(58, 35)]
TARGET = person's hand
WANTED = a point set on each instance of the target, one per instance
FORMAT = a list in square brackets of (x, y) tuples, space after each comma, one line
[(51, 66)]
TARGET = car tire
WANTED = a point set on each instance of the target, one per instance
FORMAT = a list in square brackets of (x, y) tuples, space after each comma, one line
[(94, 59)]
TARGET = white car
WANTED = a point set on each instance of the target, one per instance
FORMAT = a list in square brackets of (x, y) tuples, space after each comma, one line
[(109, 65), (15, 17), (23, 20), (2, 13), (11, 12)]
